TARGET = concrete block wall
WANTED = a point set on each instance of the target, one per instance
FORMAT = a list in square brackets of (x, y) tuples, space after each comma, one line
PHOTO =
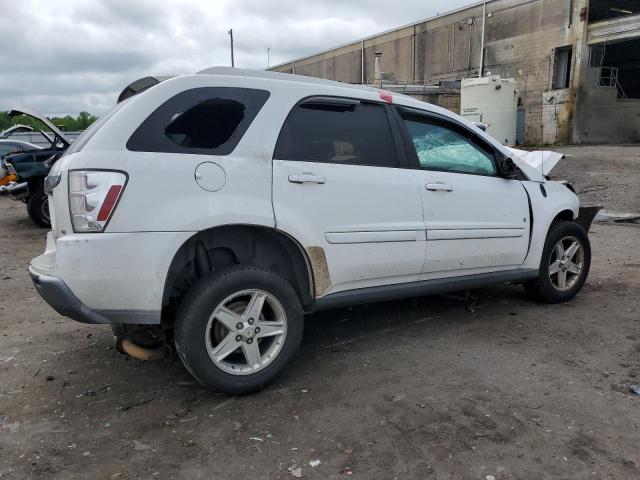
[(521, 36)]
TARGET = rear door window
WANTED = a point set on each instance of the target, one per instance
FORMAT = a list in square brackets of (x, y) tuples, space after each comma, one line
[(210, 120), (336, 130)]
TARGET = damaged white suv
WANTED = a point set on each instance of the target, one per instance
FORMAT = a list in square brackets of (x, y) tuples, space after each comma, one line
[(218, 208)]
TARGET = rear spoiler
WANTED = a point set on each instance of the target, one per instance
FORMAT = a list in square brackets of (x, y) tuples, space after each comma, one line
[(140, 86)]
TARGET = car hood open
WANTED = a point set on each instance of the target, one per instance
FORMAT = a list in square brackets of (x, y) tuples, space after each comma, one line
[(59, 136), (541, 160)]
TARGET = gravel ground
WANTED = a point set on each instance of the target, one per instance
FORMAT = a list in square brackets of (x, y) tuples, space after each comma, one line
[(425, 388)]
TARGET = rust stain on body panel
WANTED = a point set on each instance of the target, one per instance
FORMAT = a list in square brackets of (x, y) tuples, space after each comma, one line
[(321, 278)]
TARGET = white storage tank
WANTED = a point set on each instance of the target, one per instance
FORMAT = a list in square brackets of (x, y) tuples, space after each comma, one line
[(493, 101)]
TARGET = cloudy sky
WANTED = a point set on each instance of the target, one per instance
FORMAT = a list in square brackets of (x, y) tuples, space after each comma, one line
[(66, 56)]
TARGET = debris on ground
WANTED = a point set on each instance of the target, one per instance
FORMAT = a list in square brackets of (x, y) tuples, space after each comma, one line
[(129, 406), (140, 447), (297, 472), (94, 393), (314, 463), (635, 389)]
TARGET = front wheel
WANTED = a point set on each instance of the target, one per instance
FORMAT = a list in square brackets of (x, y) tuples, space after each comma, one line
[(238, 328), (565, 264), (38, 208)]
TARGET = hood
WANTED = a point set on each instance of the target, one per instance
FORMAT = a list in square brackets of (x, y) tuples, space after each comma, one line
[(58, 135), (541, 160)]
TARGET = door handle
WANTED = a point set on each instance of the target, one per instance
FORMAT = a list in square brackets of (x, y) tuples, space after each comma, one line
[(306, 177), (439, 187)]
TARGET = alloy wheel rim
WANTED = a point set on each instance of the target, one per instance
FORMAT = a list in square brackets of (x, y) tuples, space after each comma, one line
[(566, 263), (246, 332)]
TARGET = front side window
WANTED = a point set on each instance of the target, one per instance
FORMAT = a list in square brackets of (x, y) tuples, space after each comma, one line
[(439, 147), (209, 120), (338, 131)]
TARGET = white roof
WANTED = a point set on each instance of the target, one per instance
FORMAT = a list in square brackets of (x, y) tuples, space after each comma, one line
[(285, 77)]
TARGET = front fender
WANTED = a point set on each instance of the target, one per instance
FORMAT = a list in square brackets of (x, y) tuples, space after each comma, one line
[(548, 201)]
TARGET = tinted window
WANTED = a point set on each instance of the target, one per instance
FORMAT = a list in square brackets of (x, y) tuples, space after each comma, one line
[(349, 133), (6, 148), (442, 147), (202, 120)]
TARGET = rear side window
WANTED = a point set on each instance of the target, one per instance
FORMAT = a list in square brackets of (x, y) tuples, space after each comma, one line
[(209, 120), (338, 131)]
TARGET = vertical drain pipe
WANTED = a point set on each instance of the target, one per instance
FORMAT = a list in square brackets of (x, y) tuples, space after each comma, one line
[(377, 71), (484, 21), (362, 77)]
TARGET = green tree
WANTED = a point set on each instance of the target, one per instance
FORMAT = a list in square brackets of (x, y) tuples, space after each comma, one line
[(66, 123)]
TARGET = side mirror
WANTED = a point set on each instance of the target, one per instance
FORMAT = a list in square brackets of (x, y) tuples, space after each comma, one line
[(507, 168)]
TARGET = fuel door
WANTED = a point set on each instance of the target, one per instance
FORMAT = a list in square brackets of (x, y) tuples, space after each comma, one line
[(210, 176)]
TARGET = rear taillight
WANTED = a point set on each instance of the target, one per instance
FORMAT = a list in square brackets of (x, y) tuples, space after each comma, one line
[(93, 196)]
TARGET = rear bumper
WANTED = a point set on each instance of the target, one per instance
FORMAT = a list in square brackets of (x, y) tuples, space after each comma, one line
[(108, 277), (60, 297)]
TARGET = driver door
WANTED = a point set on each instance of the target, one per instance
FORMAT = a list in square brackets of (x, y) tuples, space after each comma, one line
[(475, 219)]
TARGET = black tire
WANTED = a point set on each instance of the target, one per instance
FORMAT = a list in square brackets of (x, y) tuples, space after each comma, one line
[(38, 208), (198, 305), (543, 288)]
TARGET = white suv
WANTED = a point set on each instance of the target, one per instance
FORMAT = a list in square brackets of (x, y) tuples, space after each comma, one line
[(221, 207)]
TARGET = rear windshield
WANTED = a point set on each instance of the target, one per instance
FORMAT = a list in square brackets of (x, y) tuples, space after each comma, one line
[(209, 120)]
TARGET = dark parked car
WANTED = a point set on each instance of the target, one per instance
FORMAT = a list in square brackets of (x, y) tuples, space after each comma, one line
[(7, 147), (23, 173)]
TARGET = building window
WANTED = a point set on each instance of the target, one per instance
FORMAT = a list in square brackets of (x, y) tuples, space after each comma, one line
[(561, 68)]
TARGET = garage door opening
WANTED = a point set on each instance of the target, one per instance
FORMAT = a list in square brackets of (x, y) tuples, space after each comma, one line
[(618, 66)]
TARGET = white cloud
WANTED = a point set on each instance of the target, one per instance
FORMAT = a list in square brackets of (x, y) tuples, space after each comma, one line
[(73, 55)]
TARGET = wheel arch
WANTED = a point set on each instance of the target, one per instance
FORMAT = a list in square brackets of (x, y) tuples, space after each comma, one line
[(565, 214), (218, 247)]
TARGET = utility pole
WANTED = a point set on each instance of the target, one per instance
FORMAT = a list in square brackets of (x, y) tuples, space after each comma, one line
[(230, 32), (268, 62), (484, 21)]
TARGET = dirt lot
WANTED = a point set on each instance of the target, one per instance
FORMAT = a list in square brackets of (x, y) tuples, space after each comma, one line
[(417, 389)]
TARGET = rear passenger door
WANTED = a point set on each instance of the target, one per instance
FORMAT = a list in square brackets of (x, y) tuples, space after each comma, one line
[(339, 189)]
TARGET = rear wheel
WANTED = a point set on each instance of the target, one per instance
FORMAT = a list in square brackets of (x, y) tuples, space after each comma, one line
[(38, 208), (564, 265), (238, 328)]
